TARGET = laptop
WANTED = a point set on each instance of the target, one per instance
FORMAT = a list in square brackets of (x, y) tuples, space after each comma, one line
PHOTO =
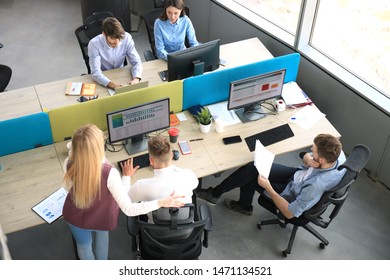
[(127, 88)]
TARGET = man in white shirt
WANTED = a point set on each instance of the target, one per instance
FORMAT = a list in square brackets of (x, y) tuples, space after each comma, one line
[(109, 50), (167, 177)]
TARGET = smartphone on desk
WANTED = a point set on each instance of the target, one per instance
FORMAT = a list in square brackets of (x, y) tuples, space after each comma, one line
[(184, 147), (232, 140)]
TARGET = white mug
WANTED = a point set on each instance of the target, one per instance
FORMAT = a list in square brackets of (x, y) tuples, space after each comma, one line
[(219, 125)]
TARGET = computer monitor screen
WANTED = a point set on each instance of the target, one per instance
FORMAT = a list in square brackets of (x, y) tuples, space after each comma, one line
[(193, 61), (247, 95), (133, 123)]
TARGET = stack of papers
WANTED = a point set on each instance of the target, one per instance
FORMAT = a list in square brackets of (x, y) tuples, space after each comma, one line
[(293, 95), (307, 117), (220, 110)]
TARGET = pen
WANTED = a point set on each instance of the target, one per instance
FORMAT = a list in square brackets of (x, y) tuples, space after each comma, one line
[(197, 139)]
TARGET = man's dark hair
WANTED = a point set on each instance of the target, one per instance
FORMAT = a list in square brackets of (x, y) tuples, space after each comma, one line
[(113, 28), (329, 147)]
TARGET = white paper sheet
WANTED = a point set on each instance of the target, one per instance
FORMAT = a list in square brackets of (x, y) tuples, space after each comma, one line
[(307, 117), (263, 159), (219, 110), (292, 94)]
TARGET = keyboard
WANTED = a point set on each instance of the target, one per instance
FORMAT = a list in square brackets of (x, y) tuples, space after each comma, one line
[(270, 136), (163, 75), (141, 161)]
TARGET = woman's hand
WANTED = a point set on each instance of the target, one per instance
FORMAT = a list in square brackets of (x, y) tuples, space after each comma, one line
[(127, 168), (171, 201)]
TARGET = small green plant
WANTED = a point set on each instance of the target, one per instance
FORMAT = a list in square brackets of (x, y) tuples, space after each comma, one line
[(204, 116)]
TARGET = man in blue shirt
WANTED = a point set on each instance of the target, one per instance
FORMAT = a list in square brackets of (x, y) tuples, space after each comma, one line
[(172, 28), (292, 190), (109, 50)]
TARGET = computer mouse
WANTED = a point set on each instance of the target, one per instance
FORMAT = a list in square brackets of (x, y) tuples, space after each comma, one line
[(176, 154)]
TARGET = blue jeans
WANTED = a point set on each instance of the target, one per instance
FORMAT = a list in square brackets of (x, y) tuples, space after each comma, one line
[(84, 238)]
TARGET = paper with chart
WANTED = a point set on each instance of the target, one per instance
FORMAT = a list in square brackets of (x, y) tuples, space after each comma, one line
[(263, 159), (50, 209)]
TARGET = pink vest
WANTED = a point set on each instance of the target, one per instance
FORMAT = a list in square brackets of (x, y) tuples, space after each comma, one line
[(102, 215)]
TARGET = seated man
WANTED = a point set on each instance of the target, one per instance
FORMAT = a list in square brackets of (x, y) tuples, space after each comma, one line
[(292, 190), (167, 177), (109, 51)]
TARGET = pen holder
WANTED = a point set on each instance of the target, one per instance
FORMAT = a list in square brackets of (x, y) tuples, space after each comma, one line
[(280, 105), (173, 134)]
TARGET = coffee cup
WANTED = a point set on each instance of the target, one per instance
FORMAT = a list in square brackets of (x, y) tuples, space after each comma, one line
[(173, 134)]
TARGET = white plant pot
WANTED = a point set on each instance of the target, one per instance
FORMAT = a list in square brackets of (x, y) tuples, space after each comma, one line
[(205, 128)]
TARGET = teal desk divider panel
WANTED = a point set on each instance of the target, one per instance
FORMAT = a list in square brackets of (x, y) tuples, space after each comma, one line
[(214, 87), (25, 133)]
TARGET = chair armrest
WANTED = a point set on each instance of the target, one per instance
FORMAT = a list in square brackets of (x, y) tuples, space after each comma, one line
[(148, 54)]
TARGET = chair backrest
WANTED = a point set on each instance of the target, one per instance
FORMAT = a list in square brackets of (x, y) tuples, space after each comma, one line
[(91, 28), (5, 76), (174, 235), (149, 19), (356, 161)]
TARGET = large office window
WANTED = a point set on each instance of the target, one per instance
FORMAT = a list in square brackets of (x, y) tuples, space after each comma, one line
[(282, 13), (356, 34), (348, 38)]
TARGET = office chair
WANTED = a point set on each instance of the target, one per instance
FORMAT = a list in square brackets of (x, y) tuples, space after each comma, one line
[(333, 198), (5, 76), (158, 3), (175, 235), (149, 19), (91, 28)]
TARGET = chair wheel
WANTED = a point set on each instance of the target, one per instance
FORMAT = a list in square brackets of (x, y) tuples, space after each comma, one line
[(322, 245), (259, 225), (285, 254)]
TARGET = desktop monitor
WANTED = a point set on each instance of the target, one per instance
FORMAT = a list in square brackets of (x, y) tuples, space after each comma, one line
[(247, 95), (133, 123), (193, 61)]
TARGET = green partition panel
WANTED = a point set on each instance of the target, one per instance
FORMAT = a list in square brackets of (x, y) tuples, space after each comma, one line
[(65, 120)]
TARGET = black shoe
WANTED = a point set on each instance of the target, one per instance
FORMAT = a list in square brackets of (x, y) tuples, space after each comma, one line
[(234, 206), (206, 194)]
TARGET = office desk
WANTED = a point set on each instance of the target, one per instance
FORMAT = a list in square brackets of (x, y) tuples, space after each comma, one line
[(52, 95), (19, 103), (26, 179)]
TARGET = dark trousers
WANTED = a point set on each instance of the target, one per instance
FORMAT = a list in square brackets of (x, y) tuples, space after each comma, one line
[(245, 178)]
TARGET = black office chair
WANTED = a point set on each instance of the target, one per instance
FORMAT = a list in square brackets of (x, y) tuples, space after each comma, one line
[(158, 3), (175, 235), (91, 28), (149, 19), (5, 76), (335, 198)]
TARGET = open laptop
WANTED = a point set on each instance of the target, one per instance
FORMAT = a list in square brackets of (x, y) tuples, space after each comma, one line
[(127, 88)]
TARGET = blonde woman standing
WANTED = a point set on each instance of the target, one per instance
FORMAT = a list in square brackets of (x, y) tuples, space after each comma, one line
[(96, 192)]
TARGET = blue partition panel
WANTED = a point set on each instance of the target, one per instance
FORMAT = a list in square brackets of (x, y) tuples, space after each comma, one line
[(213, 87), (25, 133)]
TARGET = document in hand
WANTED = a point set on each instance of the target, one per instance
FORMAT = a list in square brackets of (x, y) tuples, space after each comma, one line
[(50, 209), (263, 159)]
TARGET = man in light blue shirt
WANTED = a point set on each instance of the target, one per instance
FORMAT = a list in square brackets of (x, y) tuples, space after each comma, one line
[(293, 190), (109, 51), (172, 28)]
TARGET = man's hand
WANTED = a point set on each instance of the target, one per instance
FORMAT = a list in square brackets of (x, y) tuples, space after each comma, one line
[(134, 81), (127, 168), (264, 183), (309, 161)]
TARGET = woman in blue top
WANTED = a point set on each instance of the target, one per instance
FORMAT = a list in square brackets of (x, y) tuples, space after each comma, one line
[(172, 28)]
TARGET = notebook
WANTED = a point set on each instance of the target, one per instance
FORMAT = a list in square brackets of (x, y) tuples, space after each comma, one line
[(127, 88)]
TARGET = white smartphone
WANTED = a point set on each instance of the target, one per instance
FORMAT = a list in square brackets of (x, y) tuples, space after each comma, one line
[(184, 147)]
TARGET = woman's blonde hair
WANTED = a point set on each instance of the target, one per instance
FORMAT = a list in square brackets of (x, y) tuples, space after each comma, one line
[(84, 168)]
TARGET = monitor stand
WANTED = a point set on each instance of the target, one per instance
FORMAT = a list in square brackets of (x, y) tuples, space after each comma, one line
[(198, 67), (136, 144), (250, 113)]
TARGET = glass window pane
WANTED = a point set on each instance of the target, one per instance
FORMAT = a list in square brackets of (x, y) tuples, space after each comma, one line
[(356, 34), (283, 13)]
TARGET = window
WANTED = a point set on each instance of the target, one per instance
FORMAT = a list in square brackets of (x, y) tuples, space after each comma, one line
[(356, 34), (348, 38), (282, 13)]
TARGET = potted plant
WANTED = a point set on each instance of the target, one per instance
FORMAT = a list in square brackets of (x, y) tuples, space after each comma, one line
[(204, 118)]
